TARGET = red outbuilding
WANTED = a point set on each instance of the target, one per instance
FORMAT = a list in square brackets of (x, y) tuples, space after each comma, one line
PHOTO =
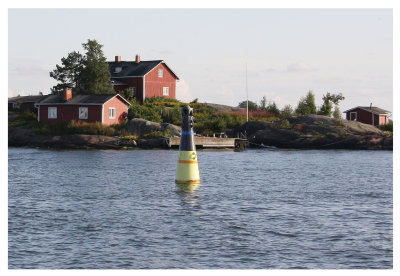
[(151, 78), (368, 115), (107, 109)]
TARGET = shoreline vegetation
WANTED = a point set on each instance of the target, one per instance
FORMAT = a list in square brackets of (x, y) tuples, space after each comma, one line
[(150, 124)]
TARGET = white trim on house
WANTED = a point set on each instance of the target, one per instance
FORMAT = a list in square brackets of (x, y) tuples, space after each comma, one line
[(144, 88), (85, 115), (102, 113), (53, 113), (38, 113), (165, 91), (122, 98), (353, 112), (112, 112)]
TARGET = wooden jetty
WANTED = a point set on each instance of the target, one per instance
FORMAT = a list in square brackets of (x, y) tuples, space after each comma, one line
[(211, 142)]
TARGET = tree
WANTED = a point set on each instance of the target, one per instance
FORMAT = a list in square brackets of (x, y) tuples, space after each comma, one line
[(307, 105), (272, 108), (263, 103), (336, 113), (95, 76), (252, 105), (287, 111), (67, 74), (328, 101)]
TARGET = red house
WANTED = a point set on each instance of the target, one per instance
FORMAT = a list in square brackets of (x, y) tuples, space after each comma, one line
[(151, 78), (107, 109), (368, 115)]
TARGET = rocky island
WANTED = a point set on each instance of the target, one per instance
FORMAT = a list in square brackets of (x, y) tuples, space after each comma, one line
[(303, 132)]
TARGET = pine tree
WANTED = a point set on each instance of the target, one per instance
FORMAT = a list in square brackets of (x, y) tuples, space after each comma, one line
[(95, 76), (307, 105), (336, 113), (67, 74)]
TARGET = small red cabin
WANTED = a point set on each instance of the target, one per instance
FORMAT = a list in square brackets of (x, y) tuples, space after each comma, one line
[(151, 78), (368, 115), (107, 109)]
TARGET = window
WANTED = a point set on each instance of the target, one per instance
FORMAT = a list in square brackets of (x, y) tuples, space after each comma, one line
[(52, 112), (160, 73), (165, 91), (111, 113), (83, 113), (133, 91), (118, 69)]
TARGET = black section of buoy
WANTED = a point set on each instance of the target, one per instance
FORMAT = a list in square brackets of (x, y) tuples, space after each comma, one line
[(187, 138)]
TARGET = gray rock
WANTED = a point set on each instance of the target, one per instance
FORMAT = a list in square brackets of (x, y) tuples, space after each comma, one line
[(315, 132), (140, 127)]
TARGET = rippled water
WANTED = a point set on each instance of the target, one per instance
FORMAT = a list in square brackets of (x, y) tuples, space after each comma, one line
[(255, 209)]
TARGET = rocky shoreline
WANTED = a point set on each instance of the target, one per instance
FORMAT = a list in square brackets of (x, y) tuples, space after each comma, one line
[(305, 132), (315, 132)]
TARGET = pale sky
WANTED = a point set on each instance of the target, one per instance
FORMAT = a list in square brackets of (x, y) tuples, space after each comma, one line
[(288, 51)]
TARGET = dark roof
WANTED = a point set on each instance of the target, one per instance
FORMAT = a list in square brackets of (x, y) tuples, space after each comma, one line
[(117, 82), (26, 99), (373, 109), (90, 99), (133, 69)]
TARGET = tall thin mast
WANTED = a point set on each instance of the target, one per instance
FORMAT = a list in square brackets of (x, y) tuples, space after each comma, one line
[(247, 97)]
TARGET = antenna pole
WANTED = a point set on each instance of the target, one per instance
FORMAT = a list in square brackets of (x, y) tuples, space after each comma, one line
[(247, 96)]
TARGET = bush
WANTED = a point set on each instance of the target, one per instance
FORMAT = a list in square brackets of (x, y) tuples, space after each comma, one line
[(24, 118), (387, 127), (78, 127), (152, 135)]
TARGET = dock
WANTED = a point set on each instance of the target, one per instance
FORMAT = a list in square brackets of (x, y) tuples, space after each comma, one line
[(211, 142)]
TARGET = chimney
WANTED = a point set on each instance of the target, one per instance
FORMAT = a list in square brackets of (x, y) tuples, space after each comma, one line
[(137, 58), (370, 106), (67, 94), (117, 58)]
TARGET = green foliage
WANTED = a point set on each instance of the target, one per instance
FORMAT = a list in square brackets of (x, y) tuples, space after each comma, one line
[(95, 76), (128, 138), (336, 113), (307, 105), (263, 103), (172, 115), (387, 127), (88, 74), (284, 124), (127, 94), (286, 111), (78, 127), (67, 74), (328, 101), (154, 134), (252, 105), (148, 112), (272, 107), (25, 118)]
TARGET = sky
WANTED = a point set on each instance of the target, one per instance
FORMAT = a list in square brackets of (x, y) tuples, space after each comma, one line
[(287, 51)]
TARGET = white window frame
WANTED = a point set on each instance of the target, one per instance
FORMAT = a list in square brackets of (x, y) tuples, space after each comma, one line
[(87, 112), (355, 116), (111, 112), (133, 88), (160, 73), (52, 112), (165, 91)]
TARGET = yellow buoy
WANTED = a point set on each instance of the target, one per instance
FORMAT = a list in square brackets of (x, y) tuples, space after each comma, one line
[(187, 170)]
